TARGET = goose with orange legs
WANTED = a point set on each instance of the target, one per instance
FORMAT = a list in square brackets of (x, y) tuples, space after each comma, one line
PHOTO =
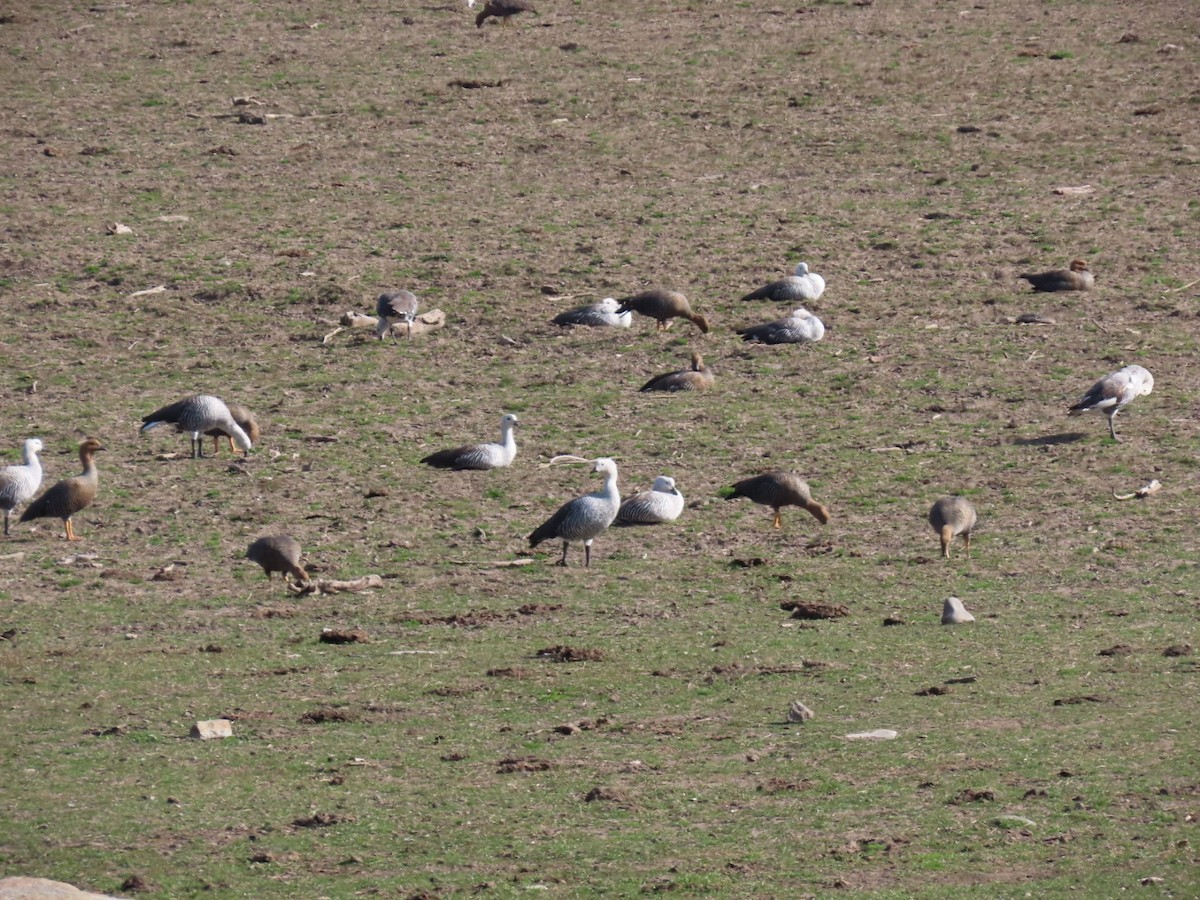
[(71, 495), (950, 517), (663, 306), (278, 553), (777, 490)]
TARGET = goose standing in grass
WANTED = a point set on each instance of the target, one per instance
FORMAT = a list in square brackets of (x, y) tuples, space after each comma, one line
[(398, 306), (1114, 392), (502, 10), (950, 517), (777, 490), (596, 315), (19, 483), (584, 518), (801, 287), (278, 553), (663, 306), (698, 378), (1077, 278), (801, 327), (662, 503), (71, 495), (245, 419), (479, 456), (197, 415)]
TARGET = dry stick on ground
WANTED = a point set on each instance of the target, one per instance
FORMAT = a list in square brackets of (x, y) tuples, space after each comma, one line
[(422, 324), (332, 586)]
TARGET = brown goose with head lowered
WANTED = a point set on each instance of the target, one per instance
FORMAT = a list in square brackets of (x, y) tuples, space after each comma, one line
[(70, 495), (244, 419), (777, 490), (278, 553), (663, 306), (950, 517), (502, 10), (1077, 278), (698, 378)]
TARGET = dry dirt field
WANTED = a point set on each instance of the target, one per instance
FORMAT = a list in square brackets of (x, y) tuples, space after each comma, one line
[(276, 164)]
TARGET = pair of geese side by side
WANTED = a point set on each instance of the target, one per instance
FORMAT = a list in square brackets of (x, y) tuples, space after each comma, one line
[(203, 415), (661, 305), (62, 500)]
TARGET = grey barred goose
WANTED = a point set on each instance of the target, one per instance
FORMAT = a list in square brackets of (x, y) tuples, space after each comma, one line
[(19, 483), (698, 378), (801, 287), (950, 517), (584, 518), (197, 415), (777, 490), (1076, 278), (1114, 392), (398, 306), (596, 315), (801, 327), (278, 553), (245, 419), (663, 306), (70, 495), (480, 456), (661, 504), (502, 10)]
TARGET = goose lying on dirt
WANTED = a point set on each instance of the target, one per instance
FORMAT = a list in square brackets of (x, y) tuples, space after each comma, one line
[(399, 306), (802, 287), (801, 327), (777, 490), (197, 415), (698, 378), (1114, 392), (662, 503), (19, 483), (595, 315), (663, 306), (479, 456), (950, 517), (71, 495), (1077, 278), (584, 518)]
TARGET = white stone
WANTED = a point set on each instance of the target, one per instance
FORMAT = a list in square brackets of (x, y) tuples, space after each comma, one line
[(879, 734), (954, 613), (210, 729), (19, 887)]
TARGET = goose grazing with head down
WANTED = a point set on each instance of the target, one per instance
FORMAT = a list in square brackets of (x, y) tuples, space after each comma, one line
[(777, 490), (399, 306), (1113, 392), (278, 553), (950, 517), (70, 495), (197, 415), (698, 378), (663, 306), (19, 483), (1077, 278), (801, 327), (802, 287), (662, 503), (502, 10), (479, 456), (584, 518), (596, 315), (245, 419)]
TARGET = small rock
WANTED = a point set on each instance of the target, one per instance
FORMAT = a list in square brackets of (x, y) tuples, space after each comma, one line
[(1151, 879), (211, 729), (20, 887), (879, 734), (954, 613), (1010, 821), (117, 228), (798, 712)]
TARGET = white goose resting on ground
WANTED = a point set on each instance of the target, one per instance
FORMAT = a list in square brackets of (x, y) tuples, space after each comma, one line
[(802, 287), (801, 327), (662, 503), (197, 415), (398, 306), (1113, 392), (19, 483), (479, 456), (596, 315), (584, 518)]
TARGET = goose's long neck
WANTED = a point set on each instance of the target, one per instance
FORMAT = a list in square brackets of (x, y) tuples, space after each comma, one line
[(31, 460), (87, 458), (610, 491), (508, 440)]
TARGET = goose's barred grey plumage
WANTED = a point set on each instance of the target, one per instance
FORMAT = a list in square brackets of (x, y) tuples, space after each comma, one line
[(69, 496), (584, 518), (950, 517), (777, 490), (663, 306), (398, 306), (661, 504), (502, 10), (802, 286), (196, 415), (19, 483), (698, 378), (278, 553), (595, 315), (480, 456), (1114, 392), (1076, 278), (245, 419), (801, 327)]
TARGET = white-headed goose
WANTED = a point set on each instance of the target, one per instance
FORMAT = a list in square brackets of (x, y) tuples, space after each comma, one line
[(196, 415), (584, 518), (19, 483), (802, 287), (801, 327), (480, 456), (1113, 392), (662, 503)]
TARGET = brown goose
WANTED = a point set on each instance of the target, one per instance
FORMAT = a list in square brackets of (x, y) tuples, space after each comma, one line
[(1077, 278), (663, 306), (502, 10), (245, 420), (779, 489), (698, 378), (70, 495), (950, 517), (278, 553)]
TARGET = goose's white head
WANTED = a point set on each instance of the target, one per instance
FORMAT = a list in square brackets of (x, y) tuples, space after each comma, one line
[(801, 269), (664, 484), (509, 421), (32, 447)]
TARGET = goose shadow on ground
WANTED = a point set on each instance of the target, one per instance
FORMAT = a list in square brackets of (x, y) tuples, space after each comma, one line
[(1048, 440)]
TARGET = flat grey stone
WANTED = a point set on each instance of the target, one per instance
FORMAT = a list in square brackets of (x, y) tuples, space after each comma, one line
[(19, 887), (879, 734), (954, 613), (211, 729)]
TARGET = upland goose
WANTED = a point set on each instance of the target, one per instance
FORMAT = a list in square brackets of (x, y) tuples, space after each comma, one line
[(398, 306), (950, 517), (245, 419), (801, 327), (502, 10), (278, 553), (1077, 278), (662, 503), (584, 518), (777, 490), (596, 315), (70, 495), (479, 456), (663, 306), (1113, 392), (19, 483), (698, 378), (197, 415), (802, 287)]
